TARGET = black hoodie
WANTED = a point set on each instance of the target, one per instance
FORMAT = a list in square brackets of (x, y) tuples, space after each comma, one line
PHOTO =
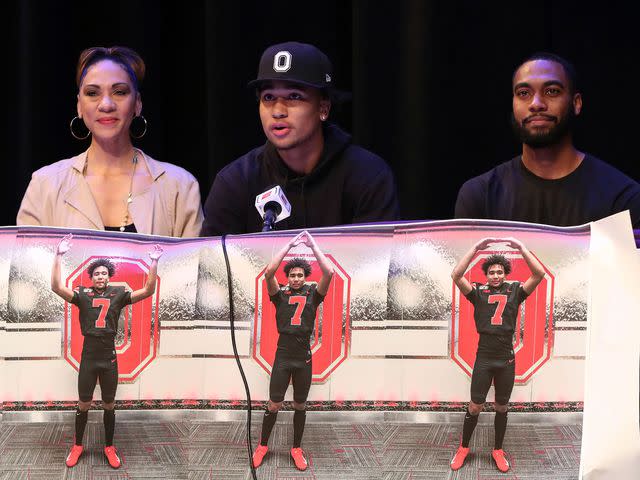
[(349, 185)]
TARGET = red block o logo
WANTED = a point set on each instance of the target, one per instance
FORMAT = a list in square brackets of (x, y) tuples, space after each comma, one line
[(330, 345), (137, 335), (533, 339)]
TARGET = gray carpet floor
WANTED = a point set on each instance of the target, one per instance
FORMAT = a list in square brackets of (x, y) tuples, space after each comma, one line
[(206, 450)]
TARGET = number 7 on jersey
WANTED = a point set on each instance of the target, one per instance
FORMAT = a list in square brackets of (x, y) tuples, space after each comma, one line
[(501, 300), (299, 301), (103, 303)]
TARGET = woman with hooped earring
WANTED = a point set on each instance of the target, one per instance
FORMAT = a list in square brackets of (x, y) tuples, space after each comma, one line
[(112, 185)]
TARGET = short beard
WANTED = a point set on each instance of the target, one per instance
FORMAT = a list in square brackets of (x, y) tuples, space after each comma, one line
[(546, 139)]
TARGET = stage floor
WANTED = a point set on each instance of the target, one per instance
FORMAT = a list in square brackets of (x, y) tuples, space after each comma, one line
[(353, 445)]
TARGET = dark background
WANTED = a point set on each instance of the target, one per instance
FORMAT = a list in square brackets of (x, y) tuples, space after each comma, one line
[(431, 81)]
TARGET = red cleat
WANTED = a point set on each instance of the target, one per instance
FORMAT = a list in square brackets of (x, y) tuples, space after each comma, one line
[(258, 455), (112, 456), (74, 455), (501, 461), (299, 459), (458, 459)]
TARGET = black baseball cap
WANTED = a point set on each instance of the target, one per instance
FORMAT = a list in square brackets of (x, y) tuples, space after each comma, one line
[(299, 63)]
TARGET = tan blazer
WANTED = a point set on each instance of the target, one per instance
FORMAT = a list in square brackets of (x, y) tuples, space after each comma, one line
[(59, 196)]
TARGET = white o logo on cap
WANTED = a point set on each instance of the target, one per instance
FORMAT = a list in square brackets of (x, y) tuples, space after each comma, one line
[(282, 61)]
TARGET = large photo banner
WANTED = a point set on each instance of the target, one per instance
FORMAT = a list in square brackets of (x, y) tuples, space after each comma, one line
[(393, 326), (393, 331)]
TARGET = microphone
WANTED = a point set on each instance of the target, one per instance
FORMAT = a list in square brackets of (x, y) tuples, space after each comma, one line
[(272, 206)]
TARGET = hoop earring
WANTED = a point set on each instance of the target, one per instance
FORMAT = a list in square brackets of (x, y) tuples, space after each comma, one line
[(144, 131), (79, 137)]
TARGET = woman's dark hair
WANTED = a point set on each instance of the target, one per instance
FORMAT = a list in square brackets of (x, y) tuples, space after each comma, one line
[(126, 57)]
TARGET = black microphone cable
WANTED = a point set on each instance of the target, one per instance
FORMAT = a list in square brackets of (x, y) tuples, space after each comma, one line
[(237, 357)]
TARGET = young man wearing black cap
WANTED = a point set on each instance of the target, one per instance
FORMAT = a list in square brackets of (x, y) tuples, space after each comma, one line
[(327, 180)]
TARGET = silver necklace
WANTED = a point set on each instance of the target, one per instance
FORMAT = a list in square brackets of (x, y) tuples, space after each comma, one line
[(125, 221), (128, 199)]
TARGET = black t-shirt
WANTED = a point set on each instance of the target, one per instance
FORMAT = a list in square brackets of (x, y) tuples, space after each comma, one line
[(592, 191), (99, 312), (296, 316), (495, 311)]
